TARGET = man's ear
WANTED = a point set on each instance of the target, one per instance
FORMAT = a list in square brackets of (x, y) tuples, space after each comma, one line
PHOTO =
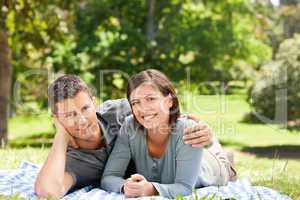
[(94, 100), (55, 117)]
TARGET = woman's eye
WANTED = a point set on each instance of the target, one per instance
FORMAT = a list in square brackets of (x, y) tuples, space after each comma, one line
[(134, 103)]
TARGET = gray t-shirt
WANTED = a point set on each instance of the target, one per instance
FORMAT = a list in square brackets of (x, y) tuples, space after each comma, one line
[(176, 172), (86, 166)]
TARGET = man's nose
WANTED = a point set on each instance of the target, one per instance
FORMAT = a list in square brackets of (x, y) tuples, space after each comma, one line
[(82, 119)]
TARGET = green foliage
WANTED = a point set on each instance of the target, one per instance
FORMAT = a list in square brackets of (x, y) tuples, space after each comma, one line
[(34, 28), (209, 37), (275, 76), (106, 41)]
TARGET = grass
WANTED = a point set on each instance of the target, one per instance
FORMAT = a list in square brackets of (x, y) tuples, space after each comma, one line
[(267, 155)]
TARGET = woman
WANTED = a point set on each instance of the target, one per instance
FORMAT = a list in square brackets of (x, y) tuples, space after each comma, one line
[(152, 137)]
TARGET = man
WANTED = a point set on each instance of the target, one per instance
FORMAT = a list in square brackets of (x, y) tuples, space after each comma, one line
[(91, 132)]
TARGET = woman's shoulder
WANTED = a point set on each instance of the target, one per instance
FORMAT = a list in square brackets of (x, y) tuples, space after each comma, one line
[(184, 122), (181, 124)]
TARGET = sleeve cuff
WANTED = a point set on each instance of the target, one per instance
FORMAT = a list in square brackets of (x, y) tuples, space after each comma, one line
[(121, 190), (72, 174), (158, 189)]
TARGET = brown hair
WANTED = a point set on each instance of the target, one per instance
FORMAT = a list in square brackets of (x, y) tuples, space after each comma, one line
[(162, 82), (65, 87)]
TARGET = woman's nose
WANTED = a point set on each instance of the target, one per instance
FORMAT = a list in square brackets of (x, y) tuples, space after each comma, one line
[(145, 107)]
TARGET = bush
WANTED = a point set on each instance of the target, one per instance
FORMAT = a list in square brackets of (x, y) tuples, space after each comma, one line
[(280, 75)]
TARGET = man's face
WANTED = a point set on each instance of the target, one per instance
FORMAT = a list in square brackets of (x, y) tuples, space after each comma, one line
[(78, 115)]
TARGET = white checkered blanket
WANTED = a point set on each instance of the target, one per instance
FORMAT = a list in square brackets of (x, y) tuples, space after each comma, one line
[(20, 183)]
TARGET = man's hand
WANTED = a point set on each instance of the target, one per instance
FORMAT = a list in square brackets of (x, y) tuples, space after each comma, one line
[(60, 129), (137, 186), (199, 135)]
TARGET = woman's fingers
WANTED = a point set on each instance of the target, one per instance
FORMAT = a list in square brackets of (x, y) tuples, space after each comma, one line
[(131, 190), (134, 185), (137, 177)]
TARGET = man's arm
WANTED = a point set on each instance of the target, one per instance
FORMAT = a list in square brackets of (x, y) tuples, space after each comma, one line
[(199, 135), (52, 180)]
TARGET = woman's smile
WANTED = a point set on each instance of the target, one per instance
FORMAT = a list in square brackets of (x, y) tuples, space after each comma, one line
[(149, 117)]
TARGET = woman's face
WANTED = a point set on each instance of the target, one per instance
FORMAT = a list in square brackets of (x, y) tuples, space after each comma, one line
[(150, 107)]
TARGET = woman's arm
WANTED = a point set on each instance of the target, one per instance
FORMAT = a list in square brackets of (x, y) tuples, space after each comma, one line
[(188, 160), (112, 179)]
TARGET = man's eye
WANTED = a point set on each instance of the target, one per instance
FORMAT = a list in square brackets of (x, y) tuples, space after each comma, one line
[(151, 98), (86, 108), (69, 115)]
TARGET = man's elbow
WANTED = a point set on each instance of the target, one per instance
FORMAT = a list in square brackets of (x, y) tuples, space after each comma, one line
[(46, 191)]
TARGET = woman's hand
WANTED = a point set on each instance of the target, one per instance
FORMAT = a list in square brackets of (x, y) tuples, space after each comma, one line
[(199, 135), (137, 186)]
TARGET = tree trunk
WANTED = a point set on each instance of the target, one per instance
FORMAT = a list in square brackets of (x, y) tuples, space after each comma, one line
[(288, 2), (150, 28), (5, 84), (291, 21), (150, 19)]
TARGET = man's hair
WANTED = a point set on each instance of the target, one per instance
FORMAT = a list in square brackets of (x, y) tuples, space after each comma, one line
[(65, 87), (159, 80)]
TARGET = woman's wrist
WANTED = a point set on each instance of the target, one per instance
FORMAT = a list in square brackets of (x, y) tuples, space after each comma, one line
[(151, 191)]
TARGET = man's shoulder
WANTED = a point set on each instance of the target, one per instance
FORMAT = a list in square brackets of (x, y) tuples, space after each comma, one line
[(114, 110), (131, 127), (113, 104)]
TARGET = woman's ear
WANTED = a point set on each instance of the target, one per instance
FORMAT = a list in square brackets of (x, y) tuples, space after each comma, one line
[(170, 100)]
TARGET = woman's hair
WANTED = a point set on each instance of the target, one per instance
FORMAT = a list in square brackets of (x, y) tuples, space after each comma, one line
[(159, 80)]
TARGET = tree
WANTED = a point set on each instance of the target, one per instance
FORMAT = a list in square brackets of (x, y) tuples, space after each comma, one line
[(29, 31), (212, 38), (5, 76), (291, 17), (35, 30), (275, 93)]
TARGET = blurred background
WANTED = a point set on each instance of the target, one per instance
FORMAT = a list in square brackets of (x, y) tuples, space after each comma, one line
[(235, 63)]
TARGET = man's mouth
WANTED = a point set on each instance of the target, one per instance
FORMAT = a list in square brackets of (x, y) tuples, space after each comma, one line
[(83, 131)]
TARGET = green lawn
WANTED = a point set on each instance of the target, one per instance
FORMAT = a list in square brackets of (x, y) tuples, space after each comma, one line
[(264, 154)]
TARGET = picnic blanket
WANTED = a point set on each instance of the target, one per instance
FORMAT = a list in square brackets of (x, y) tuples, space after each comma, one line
[(20, 183)]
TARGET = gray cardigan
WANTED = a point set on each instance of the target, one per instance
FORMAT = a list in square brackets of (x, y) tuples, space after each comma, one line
[(175, 173)]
